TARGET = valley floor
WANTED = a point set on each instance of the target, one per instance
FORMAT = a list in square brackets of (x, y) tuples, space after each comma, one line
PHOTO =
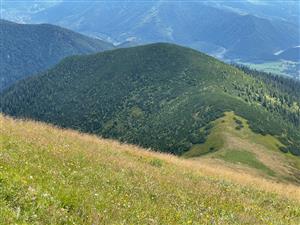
[(283, 68), (54, 176)]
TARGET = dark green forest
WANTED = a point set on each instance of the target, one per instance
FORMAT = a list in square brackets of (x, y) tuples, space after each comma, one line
[(29, 49), (159, 96)]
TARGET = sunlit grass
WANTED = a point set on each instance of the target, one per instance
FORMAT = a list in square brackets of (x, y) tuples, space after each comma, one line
[(234, 142), (54, 176), (245, 158)]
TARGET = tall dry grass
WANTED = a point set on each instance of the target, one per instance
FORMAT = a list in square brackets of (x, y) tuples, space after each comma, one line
[(28, 130)]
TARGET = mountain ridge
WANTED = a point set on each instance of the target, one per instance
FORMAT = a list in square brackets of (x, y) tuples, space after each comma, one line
[(29, 49)]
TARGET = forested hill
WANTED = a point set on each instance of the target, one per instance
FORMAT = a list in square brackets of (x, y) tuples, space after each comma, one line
[(161, 96), (28, 49)]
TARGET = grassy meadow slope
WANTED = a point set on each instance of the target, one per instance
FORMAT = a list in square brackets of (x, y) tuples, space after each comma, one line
[(54, 176), (159, 96), (233, 144)]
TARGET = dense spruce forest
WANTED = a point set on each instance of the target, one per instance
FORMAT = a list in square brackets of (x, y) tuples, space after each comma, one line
[(281, 96), (27, 49), (160, 96)]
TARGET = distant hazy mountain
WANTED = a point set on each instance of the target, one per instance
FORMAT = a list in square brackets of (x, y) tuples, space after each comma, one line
[(283, 10), (21, 11), (217, 29), (28, 49), (249, 31)]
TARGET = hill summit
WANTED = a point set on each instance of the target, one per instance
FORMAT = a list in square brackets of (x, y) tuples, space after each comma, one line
[(160, 96)]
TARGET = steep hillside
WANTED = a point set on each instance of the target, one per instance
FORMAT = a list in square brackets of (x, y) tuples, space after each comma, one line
[(53, 176), (159, 96), (28, 49)]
